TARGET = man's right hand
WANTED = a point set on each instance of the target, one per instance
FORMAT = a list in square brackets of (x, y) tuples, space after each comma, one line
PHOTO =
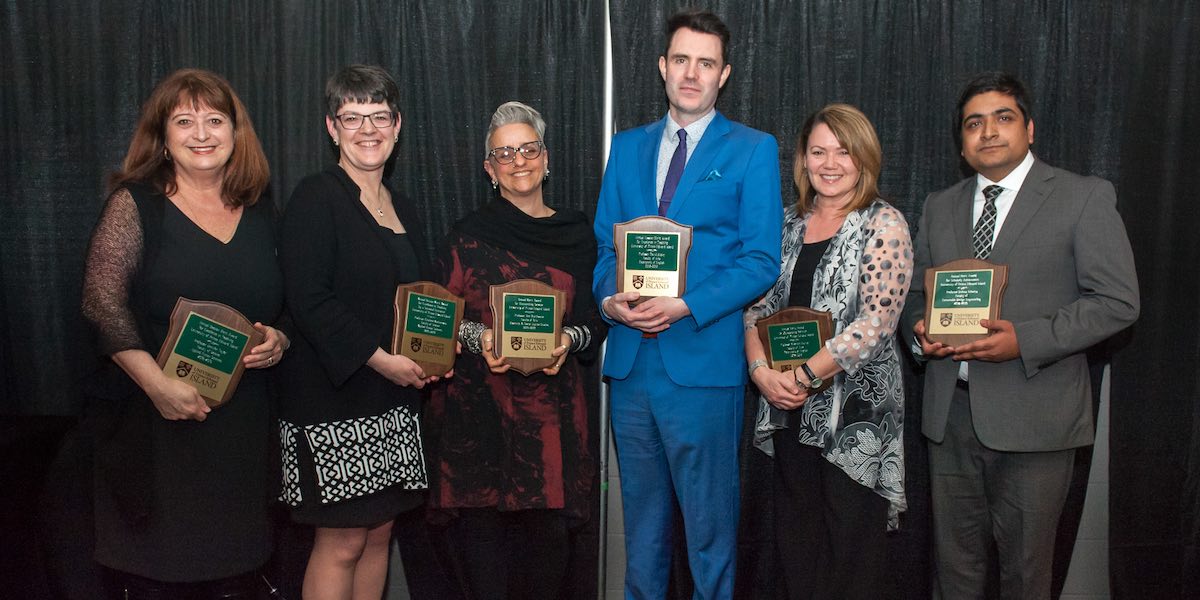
[(617, 307), (928, 348)]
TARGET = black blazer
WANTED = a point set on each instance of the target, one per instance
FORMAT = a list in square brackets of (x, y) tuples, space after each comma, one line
[(339, 282)]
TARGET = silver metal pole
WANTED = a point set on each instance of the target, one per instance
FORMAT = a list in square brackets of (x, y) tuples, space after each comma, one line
[(605, 430), (605, 443)]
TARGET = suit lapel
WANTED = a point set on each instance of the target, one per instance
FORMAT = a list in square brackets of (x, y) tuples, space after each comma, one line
[(963, 226), (697, 165), (648, 159), (1034, 191)]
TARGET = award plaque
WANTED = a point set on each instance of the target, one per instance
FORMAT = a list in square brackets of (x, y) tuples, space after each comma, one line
[(652, 256), (526, 324), (957, 295), (792, 336), (426, 326), (205, 348)]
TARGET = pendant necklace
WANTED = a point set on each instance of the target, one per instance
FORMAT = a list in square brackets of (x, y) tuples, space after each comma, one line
[(379, 207)]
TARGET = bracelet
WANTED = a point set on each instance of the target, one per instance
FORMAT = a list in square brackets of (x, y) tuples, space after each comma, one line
[(581, 337), (754, 365), (470, 333)]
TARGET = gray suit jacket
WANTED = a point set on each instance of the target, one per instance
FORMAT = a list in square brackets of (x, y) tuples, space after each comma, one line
[(1071, 284)]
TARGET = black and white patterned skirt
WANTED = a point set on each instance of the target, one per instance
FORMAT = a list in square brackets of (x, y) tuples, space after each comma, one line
[(354, 457)]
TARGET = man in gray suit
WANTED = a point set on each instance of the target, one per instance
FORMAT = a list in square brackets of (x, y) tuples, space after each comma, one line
[(1004, 414)]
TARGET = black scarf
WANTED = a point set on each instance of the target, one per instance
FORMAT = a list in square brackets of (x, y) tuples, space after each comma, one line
[(563, 240)]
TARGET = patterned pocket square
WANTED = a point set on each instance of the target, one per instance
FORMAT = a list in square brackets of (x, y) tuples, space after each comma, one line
[(712, 175)]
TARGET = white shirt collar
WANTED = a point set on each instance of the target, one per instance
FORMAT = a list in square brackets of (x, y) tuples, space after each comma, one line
[(1011, 182), (695, 130)]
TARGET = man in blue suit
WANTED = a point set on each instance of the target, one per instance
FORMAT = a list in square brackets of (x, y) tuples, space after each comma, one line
[(675, 365)]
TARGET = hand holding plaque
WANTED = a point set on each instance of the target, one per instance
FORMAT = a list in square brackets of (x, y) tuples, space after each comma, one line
[(205, 347), (426, 326), (792, 336), (526, 324), (957, 295), (652, 256)]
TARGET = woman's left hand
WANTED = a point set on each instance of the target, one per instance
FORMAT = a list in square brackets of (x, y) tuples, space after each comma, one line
[(560, 353), (270, 352)]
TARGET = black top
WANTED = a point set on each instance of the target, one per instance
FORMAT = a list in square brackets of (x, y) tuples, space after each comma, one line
[(340, 417), (802, 275), (404, 258), (340, 278), (180, 500)]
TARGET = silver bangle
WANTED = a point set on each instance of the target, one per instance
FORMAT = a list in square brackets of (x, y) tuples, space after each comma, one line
[(470, 333), (754, 365), (581, 337)]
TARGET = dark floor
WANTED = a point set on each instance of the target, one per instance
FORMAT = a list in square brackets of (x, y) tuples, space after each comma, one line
[(46, 525)]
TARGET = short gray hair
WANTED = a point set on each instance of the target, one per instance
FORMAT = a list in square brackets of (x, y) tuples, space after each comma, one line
[(514, 112)]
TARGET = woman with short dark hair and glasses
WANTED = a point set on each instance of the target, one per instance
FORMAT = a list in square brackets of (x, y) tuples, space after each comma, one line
[(349, 424), (514, 469)]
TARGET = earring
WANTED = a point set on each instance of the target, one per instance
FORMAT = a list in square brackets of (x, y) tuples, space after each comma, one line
[(166, 155), (335, 142), (495, 184), (395, 139), (547, 175)]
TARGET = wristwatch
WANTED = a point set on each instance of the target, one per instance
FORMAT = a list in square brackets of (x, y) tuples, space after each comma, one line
[(814, 382)]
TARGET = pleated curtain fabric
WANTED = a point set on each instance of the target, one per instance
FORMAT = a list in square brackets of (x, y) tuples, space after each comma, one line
[(1115, 101)]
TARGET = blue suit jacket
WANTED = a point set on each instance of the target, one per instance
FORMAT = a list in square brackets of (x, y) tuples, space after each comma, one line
[(729, 194)]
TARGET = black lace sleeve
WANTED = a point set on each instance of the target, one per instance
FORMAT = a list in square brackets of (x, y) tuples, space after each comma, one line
[(113, 259)]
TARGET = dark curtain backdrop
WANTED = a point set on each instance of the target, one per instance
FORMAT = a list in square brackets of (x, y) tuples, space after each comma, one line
[(76, 72), (1111, 83)]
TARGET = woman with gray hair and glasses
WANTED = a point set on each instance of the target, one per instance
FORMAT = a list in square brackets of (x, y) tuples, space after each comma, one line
[(349, 423), (514, 469)]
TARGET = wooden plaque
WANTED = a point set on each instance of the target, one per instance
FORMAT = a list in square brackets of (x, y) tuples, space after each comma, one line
[(426, 326), (526, 324), (960, 293), (792, 336), (652, 256), (205, 348)]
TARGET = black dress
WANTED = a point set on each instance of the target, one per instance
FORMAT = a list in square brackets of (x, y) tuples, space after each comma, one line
[(179, 500), (351, 444)]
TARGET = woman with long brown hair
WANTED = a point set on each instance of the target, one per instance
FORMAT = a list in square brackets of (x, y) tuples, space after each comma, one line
[(182, 489)]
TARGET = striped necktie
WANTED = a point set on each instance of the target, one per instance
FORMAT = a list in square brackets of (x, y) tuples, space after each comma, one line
[(985, 227)]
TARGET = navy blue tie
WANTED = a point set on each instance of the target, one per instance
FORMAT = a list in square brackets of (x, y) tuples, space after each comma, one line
[(674, 174)]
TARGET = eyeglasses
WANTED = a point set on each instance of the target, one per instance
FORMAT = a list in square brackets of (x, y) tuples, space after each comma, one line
[(506, 154), (381, 120)]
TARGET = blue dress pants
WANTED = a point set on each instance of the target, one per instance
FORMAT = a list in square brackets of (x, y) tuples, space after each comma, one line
[(676, 443)]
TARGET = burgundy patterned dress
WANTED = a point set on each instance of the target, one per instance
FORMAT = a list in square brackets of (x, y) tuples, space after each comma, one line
[(509, 441)]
